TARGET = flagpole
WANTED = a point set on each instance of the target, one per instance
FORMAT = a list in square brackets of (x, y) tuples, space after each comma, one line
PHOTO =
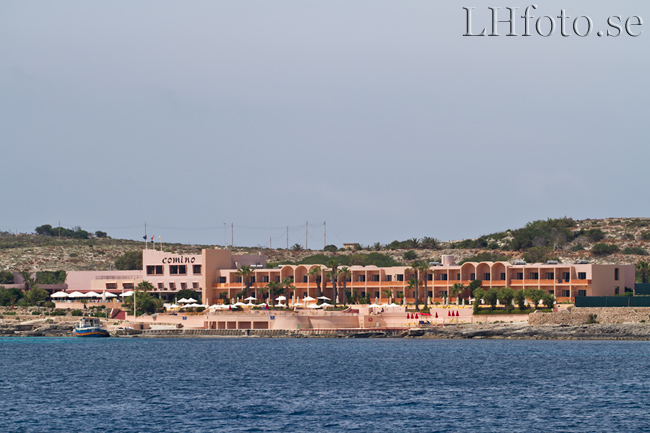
[(160, 243), (145, 235)]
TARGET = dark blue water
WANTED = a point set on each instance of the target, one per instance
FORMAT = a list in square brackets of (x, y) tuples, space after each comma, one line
[(298, 385)]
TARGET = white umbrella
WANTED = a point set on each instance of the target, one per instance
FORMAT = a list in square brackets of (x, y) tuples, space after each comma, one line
[(127, 294), (308, 298), (59, 295), (109, 295), (281, 305), (393, 305), (93, 295), (239, 304), (281, 298), (324, 298), (313, 306), (325, 304), (183, 301), (251, 298), (76, 295), (191, 301), (373, 305)]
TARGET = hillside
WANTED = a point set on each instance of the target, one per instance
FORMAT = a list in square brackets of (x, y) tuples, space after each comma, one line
[(565, 240)]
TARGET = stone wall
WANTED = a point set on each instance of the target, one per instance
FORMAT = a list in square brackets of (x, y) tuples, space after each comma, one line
[(579, 316)]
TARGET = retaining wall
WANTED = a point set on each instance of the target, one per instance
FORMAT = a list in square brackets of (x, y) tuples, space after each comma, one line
[(579, 316)]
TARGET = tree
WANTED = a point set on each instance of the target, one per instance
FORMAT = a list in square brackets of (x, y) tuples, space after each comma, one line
[(274, 288), (603, 249), (491, 297), (415, 268), (185, 293), (6, 277), (330, 248), (344, 273), (536, 255), (520, 299), (410, 255), (423, 269), (10, 296), (35, 295), (473, 285), (245, 272), (332, 274), (506, 295), (387, 293), (478, 295), (296, 247), (100, 234), (456, 290), (45, 230), (129, 261), (642, 271), (534, 295), (287, 284), (317, 272), (145, 302), (28, 279), (549, 300), (430, 243)]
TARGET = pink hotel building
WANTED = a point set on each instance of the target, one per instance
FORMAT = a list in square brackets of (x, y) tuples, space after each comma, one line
[(214, 272)]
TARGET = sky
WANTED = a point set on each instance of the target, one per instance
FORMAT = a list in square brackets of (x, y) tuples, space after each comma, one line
[(377, 117)]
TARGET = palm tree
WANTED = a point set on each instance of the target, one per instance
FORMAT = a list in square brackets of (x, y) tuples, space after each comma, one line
[(27, 278), (413, 285), (344, 273), (274, 288), (318, 272), (333, 265), (416, 268), (642, 268), (387, 293), (245, 272), (423, 268), (287, 284), (457, 289)]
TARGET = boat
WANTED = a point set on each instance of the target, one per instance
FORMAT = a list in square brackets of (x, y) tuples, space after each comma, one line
[(90, 327)]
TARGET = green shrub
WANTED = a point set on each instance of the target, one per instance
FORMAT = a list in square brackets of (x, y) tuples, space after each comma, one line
[(591, 319), (36, 313), (58, 313), (635, 250), (645, 235), (76, 313), (602, 249), (577, 247), (410, 255), (330, 248)]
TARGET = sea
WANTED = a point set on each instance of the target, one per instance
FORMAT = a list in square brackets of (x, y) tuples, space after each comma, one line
[(322, 385)]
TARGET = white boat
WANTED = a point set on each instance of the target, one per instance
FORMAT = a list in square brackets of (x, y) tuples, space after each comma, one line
[(90, 327)]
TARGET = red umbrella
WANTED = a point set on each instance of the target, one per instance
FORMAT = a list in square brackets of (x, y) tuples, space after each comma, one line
[(436, 314), (416, 315), (448, 313), (456, 313)]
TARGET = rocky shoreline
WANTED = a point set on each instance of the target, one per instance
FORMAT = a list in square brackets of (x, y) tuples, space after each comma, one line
[(618, 331)]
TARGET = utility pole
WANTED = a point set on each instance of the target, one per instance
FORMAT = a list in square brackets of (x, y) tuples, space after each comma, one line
[(270, 243), (232, 235), (306, 234), (224, 235), (324, 234), (287, 238)]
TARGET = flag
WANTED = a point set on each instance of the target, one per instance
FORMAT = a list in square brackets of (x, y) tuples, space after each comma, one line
[(144, 237), (151, 238)]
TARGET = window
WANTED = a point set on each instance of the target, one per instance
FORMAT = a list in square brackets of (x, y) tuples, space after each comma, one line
[(196, 269), (443, 277), (486, 276), (111, 286), (443, 293), (277, 279), (616, 274), (173, 269), (195, 285), (534, 275), (582, 275), (182, 269), (127, 286), (305, 279), (291, 278), (237, 279), (429, 277), (503, 276), (374, 278), (616, 290), (400, 277), (430, 294), (389, 278), (582, 293), (362, 278), (222, 280), (550, 292), (183, 286), (550, 275), (566, 276), (160, 286), (472, 276), (566, 293), (520, 276), (172, 286), (457, 278), (151, 270), (376, 294), (265, 278)]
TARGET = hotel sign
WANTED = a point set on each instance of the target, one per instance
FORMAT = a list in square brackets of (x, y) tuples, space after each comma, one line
[(179, 259)]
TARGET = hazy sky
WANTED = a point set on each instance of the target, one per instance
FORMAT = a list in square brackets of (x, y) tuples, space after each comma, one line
[(376, 116)]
